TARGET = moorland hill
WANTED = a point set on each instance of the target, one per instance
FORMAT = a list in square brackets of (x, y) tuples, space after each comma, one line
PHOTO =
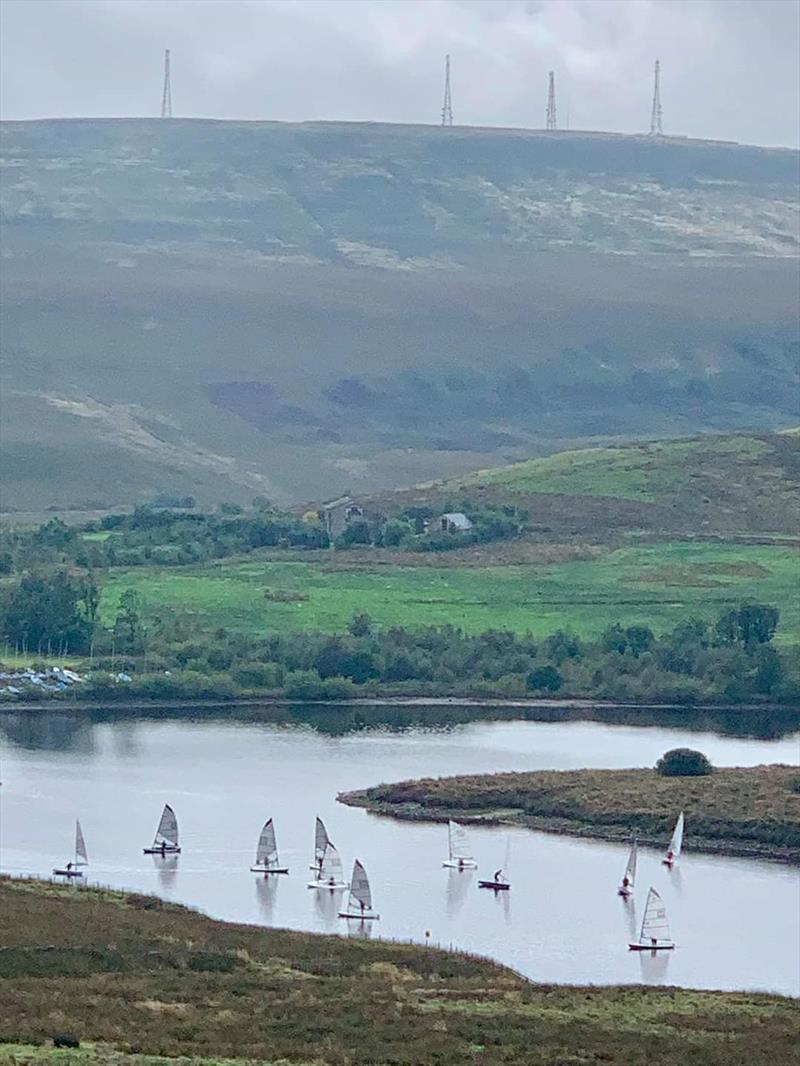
[(233, 309)]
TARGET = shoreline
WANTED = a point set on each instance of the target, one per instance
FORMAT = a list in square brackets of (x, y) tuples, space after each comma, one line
[(468, 702), (441, 808)]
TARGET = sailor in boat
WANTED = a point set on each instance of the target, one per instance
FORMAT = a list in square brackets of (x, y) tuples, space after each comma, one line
[(626, 883), (461, 864), (69, 867), (163, 848), (497, 876)]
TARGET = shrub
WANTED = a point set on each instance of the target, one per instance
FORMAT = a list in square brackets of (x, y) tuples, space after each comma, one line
[(684, 762), (545, 677)]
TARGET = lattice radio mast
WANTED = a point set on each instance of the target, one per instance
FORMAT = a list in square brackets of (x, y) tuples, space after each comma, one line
[(166, 96), (655, 116), (447, 106), (551, 101)]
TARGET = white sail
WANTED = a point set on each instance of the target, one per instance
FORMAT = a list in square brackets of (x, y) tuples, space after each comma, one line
[(655, 927), (321, 841), (630, 869), (81, 858), (331, 869), (167, 831), (676, 841), (459, 847), (360, 893), (267, 850)]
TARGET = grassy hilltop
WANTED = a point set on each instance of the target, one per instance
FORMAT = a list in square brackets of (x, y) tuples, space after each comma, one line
[(173, 983), (235, 309), (616, 534)]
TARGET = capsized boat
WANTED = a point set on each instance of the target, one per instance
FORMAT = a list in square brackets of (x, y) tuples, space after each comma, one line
[(654, 934), (165, 841), (629, 877), (458, 848), (331, 873), (499, 881), (72, 869), (675, 844), (359, 903), (267, 861), (321, 842)]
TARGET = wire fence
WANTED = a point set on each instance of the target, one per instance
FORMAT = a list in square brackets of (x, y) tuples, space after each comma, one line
[(81, 882)]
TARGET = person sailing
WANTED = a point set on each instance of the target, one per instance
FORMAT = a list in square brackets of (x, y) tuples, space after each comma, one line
[(498, 876)]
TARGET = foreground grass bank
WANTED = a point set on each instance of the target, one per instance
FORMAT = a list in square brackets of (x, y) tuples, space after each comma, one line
[(135, 978), (752, 811)]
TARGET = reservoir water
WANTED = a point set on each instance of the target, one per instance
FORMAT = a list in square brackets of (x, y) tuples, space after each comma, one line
[(736, 922)]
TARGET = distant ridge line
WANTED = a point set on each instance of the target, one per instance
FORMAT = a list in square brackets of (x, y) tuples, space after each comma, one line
[(431, 128)]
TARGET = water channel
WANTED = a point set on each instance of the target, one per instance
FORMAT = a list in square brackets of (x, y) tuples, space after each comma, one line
[(736, 922)]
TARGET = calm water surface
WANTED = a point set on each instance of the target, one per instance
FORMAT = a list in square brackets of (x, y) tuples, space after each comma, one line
[(736, 922)]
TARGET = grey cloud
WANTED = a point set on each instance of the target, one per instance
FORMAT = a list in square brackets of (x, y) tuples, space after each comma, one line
[(729, 66)]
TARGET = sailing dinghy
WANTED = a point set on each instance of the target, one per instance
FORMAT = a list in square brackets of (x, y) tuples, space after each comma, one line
[(267, 853), (165, 841), (359, 903), (500, 881), (331, 873), (629, 877), (654, 935), (675, 844), (458, 848), (72, 869), (321, 842)]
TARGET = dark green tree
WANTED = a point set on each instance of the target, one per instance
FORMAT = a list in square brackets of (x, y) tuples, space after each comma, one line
[(684, 762), (750, 624), (49, 610)]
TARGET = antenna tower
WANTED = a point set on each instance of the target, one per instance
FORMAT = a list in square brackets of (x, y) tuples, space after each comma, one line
[(166, 96), (447, 106), (655, 117), (551, 101)]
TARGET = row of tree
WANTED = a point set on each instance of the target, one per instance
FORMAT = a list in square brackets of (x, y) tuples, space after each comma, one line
[(733, 659)]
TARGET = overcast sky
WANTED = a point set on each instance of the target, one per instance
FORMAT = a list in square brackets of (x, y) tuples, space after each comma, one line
[(729, 67)]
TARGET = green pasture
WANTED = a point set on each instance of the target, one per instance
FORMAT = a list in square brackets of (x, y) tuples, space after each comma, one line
[(658, 585), (645, 471)]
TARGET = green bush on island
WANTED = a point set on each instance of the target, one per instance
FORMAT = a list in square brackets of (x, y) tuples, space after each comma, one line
[(684, 762)]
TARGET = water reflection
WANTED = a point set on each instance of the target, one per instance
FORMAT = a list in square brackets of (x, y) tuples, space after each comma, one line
[(166, 870), (632, 926), (37, 731), (360, 930), (675, 875), (459, 883), (653, 966), (326, 905), (266, 895)]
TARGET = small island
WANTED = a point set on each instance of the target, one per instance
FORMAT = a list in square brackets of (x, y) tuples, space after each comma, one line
[(129, 980), (748, 811)]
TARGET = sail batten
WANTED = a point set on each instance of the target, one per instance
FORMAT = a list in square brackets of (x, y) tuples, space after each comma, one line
[(167, 831), (655, 927), (321, 840), (459, 846), (81, 856), (267, 849), (676, 840)]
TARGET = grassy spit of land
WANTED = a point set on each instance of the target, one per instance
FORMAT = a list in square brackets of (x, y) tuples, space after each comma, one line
[(751, 811), (134, 977)]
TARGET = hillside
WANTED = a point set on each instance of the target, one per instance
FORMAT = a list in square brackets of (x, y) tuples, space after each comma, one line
[(174, 983), (235, 309), (718, 484)]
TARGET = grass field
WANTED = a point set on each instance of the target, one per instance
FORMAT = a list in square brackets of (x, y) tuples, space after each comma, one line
[(646, 471), (134, 978), (752, 811), (658, 584)]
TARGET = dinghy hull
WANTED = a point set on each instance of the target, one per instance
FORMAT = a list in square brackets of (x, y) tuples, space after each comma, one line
[(338, 886), (266, 873), (161, 851), (464, 864), (496, 886), (67, 873), (651, 947), (360, 917)]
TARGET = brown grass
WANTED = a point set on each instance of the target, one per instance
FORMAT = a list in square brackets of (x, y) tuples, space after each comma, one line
[(751, 811), (138, 976)]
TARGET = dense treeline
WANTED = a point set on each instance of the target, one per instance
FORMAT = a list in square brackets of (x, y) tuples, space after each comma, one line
[(167, 536), (160, 655)]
